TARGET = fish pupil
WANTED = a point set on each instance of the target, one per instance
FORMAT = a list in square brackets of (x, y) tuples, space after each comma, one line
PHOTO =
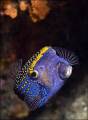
[(33, 74)]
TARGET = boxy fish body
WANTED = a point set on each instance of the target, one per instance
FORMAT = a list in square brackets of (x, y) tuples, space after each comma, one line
[(43, 75)]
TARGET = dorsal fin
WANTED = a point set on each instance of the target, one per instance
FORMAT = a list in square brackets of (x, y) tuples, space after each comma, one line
[(14, 70), (67, 55)]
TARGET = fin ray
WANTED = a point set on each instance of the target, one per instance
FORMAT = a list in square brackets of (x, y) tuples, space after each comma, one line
[(32, 101), (67, 55), (14, 70)]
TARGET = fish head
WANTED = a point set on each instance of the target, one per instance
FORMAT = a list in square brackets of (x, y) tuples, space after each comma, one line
[(49, 69), (55, 66)]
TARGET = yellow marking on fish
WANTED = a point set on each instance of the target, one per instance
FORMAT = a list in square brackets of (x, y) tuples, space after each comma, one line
[(43, 50), (34, 81), (21, 92), (22, 87), (31, 69), (17, 87), (24, 91), (31, 80), (25, 81), (39, 90), (31, 92), (29, 83), (28, 89), (28, 86)]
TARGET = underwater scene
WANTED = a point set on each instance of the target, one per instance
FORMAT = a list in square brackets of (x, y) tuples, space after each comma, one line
[(44, 60)]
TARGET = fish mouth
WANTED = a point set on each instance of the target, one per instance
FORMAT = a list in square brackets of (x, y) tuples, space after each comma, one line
[(41, 85), (43, 89)]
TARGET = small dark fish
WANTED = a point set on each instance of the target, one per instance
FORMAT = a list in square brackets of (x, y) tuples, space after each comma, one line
[(43, 75)]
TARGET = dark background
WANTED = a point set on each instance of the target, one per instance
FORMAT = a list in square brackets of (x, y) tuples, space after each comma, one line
[(65, 26)]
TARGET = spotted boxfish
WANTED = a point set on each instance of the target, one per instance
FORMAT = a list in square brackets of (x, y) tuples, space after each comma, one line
[(42, 75)]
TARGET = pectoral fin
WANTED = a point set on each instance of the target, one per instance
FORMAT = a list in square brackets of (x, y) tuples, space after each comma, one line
[(32, 101), (14, 70)]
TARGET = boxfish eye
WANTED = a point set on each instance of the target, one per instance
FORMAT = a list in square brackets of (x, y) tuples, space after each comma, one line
[(64, 70), (34, 74)]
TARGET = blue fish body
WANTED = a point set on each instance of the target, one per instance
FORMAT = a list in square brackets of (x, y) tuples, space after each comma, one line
[(43, 75)]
